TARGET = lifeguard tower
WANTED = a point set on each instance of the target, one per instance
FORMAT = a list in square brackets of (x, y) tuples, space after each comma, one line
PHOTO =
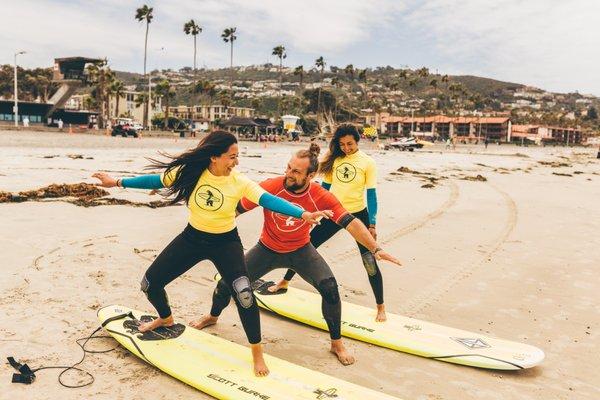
[(71, 73)]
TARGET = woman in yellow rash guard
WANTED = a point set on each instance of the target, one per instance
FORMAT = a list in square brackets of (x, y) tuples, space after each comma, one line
[(348, 172), (204, 177)]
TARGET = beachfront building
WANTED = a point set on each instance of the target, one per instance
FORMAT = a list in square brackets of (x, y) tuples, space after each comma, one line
[(540, 134), (40, 114), (210, 113), (441, 127)]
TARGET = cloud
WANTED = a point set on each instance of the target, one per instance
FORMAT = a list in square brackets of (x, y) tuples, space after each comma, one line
[(548, 43)]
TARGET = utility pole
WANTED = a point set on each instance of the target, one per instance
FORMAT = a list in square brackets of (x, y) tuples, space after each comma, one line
[(16, 106), (149, 102)]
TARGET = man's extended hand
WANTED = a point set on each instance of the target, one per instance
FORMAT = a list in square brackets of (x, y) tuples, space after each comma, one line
[(313, 218)]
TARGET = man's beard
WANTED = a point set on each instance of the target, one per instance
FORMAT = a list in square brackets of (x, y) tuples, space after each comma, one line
[(294, 186)]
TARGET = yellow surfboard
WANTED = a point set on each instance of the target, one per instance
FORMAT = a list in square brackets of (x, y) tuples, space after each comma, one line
[(402, 333), (221, 368)]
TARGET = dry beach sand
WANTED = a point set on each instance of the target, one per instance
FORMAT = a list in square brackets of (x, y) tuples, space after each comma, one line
[(513, 253)]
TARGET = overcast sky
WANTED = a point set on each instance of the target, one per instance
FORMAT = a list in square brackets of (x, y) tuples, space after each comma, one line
[(551, 44)]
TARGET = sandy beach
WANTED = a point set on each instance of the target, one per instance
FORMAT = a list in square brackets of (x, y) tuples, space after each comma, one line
[(514, 253)]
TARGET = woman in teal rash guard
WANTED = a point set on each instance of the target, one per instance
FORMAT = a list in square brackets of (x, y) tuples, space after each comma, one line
[(205, 179)]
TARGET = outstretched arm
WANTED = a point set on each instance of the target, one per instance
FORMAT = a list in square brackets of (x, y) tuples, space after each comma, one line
[(149, 181), (282, 206), (362, 235)]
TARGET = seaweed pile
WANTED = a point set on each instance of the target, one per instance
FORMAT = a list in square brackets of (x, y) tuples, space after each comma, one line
[(79, 194)]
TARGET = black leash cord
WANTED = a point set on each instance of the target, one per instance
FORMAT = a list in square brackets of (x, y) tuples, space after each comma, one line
[(27, 375)]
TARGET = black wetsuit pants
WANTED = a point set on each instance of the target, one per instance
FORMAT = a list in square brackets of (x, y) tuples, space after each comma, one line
[(323, 232), (308, 263), (189, 248)]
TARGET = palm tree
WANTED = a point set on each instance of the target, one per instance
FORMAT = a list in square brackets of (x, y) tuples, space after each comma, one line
[(144, 13), (229, 36), (207, 88), (142, 99), (117, 87), (163, 89), (445, 79), (349, 70), (299, 70), (362, 76), (191, 28), (101, 77), (423, 72), (320, 64), (279, 52)]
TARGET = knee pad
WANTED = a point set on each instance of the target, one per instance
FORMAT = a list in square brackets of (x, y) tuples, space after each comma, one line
[(243, 291), (144, 285), (329, 290), (370, 263)]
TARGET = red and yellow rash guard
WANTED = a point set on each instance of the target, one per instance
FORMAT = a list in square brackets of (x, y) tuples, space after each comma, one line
[(350, 177), (284, 234), (214, 200)]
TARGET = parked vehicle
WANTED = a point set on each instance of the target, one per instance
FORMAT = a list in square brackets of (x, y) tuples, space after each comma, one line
[(124, 130), (404, 144)]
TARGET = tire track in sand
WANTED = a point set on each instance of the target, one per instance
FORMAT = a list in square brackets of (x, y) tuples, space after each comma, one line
[(437, 290), (450, 201)]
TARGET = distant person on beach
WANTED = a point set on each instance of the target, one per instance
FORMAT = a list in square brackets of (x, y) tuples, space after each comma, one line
[(211, 233), (60, 124), (285, 243), (348, 172), (486, 142)]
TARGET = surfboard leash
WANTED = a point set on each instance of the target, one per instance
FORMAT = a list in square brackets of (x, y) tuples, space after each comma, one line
[(26, 375)]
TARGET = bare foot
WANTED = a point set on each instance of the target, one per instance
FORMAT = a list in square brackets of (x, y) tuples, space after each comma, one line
[(204, 321), (157, 323), (338, 348), (260, 367), (282, 284), (381, 317)]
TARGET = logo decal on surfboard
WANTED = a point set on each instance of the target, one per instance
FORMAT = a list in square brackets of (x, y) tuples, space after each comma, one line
[(472, 343), (328, 393)]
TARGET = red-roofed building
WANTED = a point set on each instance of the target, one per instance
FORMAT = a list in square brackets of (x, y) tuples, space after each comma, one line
[(464, 129), (548, 134)]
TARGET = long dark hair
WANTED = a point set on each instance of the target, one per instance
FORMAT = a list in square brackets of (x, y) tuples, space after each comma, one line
[(191, 164), (326, 166)]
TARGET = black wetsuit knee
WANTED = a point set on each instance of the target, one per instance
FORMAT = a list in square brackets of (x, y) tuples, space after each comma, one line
[(328, 288), (221, 298)]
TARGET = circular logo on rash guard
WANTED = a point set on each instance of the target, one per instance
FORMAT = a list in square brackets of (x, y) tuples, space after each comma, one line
[(208, 198), (345, 172), (286, 223)]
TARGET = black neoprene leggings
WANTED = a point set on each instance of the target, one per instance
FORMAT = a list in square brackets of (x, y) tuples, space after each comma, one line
[(189, 248), (325, 231), (260, 260)]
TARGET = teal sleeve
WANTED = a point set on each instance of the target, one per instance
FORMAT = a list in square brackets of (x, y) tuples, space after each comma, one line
[(326, 185), (279, 205), (150, 181), (372, 205)]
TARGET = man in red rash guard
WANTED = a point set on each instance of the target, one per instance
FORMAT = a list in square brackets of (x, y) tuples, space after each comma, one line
[(285, 243)]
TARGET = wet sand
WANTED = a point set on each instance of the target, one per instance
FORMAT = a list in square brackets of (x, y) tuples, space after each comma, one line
[(513, 255)]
